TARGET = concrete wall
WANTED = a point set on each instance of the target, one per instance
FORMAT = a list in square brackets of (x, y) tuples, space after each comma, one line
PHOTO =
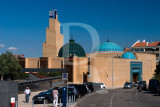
[(8, 89)]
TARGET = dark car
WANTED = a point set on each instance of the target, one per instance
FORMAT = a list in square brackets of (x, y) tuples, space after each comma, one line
[(77, 94), (85, 84), (153, 84), (81, 88), (158, 89), (136, 83), (128, 85), (90, 86), (144, 85), (48, 96)]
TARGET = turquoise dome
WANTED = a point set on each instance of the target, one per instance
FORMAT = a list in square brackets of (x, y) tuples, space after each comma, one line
[(108, 47), (128, 55)]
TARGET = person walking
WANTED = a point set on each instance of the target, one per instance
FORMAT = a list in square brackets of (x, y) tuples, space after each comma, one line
[(55, 96), (27, 94)]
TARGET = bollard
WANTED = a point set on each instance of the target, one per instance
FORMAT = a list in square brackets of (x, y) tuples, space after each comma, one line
[(44, 103), (16, 103), (60, 103), (74, 99), (32, 103)]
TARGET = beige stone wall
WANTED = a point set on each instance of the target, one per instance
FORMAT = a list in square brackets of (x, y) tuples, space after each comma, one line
[(80, 66), (31, 62), (55, 62), (111, 71), (54, 39), (149, 64), (101, 69)]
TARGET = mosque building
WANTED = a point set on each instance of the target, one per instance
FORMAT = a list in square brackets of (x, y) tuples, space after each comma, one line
[(108, 63)]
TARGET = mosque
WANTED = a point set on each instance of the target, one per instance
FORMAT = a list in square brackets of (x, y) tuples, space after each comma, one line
[(107, 63)]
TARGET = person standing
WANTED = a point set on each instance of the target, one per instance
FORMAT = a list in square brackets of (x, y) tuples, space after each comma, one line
[(55, 96), (27, 94)]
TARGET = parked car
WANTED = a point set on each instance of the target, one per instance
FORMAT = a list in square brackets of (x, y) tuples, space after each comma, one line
[(81, 88), (140, 86), (77, 94), (90, 86), (85, 84), (48, 96), (128, 85), (153, 84), (158, 89), (144, 85), (102, 86), (136, 84)]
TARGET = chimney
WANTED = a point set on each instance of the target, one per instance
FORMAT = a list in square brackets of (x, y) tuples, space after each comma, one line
[(147, 43), (144, 41)]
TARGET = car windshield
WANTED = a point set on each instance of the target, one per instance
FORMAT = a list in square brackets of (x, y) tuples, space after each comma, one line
[(127, 83), (47, 92), (136, 82)]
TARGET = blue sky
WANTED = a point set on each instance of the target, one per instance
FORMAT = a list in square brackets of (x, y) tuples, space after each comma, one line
[(23, 22)]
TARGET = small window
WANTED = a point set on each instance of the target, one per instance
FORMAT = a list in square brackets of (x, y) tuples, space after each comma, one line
[(157, 55)]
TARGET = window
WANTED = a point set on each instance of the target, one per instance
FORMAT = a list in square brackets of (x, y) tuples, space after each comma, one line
[(157, 55)]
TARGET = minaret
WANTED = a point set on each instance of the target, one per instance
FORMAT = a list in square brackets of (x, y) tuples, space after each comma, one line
[(54, 39)]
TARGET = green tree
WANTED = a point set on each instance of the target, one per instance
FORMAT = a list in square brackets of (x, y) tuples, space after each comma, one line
[(157, 72), (9, 66)]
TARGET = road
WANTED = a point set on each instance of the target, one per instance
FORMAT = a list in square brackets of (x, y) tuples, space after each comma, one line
[(122, 98)]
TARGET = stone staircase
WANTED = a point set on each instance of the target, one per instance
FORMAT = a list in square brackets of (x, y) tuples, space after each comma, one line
[(32, 77)]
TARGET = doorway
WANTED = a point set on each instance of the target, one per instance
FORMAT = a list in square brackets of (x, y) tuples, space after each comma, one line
[(136, 71), (135, 77)]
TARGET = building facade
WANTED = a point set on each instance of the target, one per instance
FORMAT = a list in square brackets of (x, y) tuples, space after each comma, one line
[(146, 47)]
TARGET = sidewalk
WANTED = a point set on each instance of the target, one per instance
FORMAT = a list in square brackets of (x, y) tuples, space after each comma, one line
[(22, 102)]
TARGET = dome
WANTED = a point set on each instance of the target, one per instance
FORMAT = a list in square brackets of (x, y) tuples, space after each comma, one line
[(71, 49), (128, 55), (108, 47)]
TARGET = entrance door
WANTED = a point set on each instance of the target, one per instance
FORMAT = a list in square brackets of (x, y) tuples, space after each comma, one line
[(135, 77), (136, 71)]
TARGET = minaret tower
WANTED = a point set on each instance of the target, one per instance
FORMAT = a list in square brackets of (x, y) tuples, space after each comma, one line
[(54, 39)]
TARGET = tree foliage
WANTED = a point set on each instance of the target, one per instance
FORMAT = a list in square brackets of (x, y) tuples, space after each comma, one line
[(9, 66), (51, 74), (157, 72)]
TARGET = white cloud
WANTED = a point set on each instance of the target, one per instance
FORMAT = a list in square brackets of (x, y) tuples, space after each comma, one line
[(2, 46), (12, 49)]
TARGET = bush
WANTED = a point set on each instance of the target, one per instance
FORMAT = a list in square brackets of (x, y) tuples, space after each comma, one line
[(55, 74)]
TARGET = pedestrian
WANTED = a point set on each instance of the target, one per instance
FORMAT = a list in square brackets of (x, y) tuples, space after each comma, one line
[(27, 94), (55, 96)]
